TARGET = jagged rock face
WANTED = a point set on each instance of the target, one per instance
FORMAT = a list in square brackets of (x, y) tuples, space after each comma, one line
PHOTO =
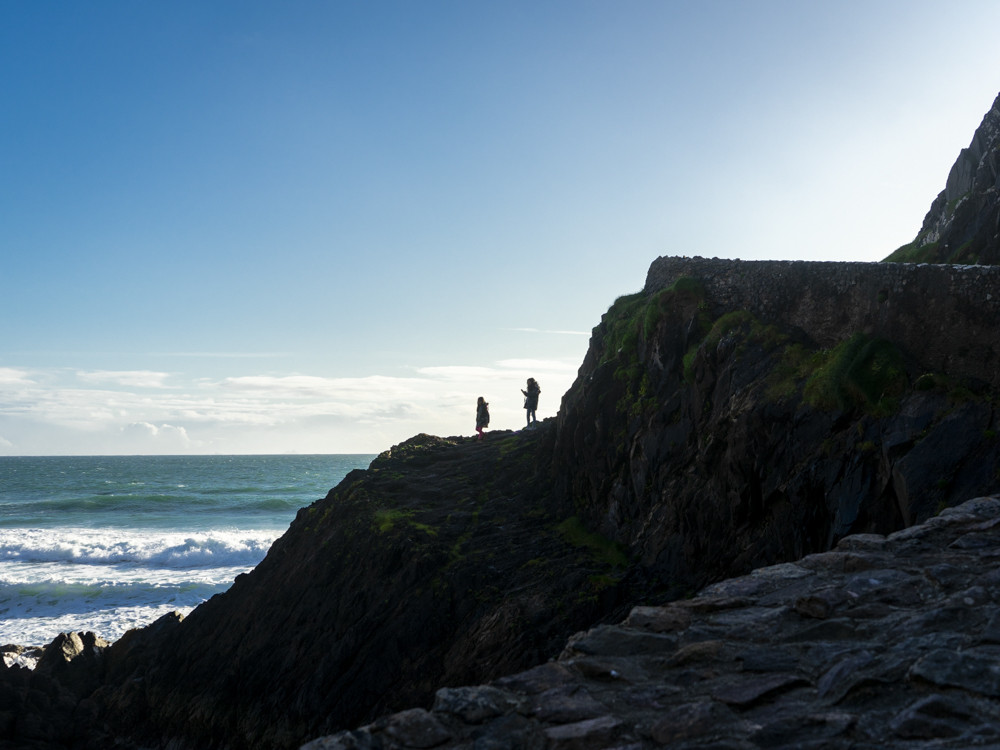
[(446, 562), (735, 414), (963, 223), (728, 416), (884, 642)]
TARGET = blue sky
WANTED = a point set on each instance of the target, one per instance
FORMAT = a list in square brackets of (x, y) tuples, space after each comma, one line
[(265, 227)]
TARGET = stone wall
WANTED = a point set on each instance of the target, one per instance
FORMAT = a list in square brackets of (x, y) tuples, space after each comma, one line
[(942, 316)]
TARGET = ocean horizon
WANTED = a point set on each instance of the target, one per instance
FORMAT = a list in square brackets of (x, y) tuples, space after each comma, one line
[(110, 543)]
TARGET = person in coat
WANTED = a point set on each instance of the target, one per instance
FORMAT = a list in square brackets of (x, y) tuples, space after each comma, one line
[(482, 416), (531, 399)]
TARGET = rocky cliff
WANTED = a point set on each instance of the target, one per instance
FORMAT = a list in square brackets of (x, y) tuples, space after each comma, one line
[(963, 223), (445, 562), (735, 414), (729, 416)]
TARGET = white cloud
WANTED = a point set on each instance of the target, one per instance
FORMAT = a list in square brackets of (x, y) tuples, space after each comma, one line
[(127, 378), (557, 333), (10, 376), (540, 365), (166, 435), (457, 373), (134, 411)]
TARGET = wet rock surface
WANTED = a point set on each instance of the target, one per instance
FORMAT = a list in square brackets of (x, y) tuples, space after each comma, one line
[(883, 642)]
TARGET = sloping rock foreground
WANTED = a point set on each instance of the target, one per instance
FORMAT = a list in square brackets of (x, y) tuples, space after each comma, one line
[(883, 642)]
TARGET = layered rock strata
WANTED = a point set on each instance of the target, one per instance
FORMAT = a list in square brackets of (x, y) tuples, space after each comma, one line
[(883, 642), (735, 414)]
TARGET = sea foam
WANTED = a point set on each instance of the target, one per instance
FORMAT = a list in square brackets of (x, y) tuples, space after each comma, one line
[(108, 543), (82, 546), (108, 581)]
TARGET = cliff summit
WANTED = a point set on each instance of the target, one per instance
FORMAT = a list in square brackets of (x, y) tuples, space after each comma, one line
[(963, 223)]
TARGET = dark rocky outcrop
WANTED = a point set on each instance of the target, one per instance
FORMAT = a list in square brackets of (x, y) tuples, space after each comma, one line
[(963, 223), (46, 708), (735, 414), (883, 642), (446, 561), (729, 416)]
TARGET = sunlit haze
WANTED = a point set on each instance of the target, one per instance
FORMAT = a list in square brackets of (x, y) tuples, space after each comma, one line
[(322, 227)]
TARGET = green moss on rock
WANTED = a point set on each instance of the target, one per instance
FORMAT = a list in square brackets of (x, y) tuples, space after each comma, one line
[(602, 549), (860, 372)]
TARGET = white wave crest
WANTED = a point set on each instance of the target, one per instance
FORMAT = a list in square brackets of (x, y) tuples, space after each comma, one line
[(32, 614), (79, 546)]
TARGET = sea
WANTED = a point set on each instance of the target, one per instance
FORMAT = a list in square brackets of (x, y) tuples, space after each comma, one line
[(109, 543)]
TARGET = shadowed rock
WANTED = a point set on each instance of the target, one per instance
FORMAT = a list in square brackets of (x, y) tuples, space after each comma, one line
[(883, 680)]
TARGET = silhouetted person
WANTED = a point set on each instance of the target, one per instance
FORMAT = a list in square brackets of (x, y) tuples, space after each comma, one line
[(482, 416), (531, 399)]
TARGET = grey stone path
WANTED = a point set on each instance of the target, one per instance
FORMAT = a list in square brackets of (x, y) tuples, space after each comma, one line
[(883, 642)]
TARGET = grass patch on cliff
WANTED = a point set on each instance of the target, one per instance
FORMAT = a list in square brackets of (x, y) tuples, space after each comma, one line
[(727, 324), (860, 372), (796, 363), (637, 315), (631, 317), (601, 548), (621, 323), (735, 323), (638, 397), (914, 252), (386, 519), (634, 320), (688, 287)]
